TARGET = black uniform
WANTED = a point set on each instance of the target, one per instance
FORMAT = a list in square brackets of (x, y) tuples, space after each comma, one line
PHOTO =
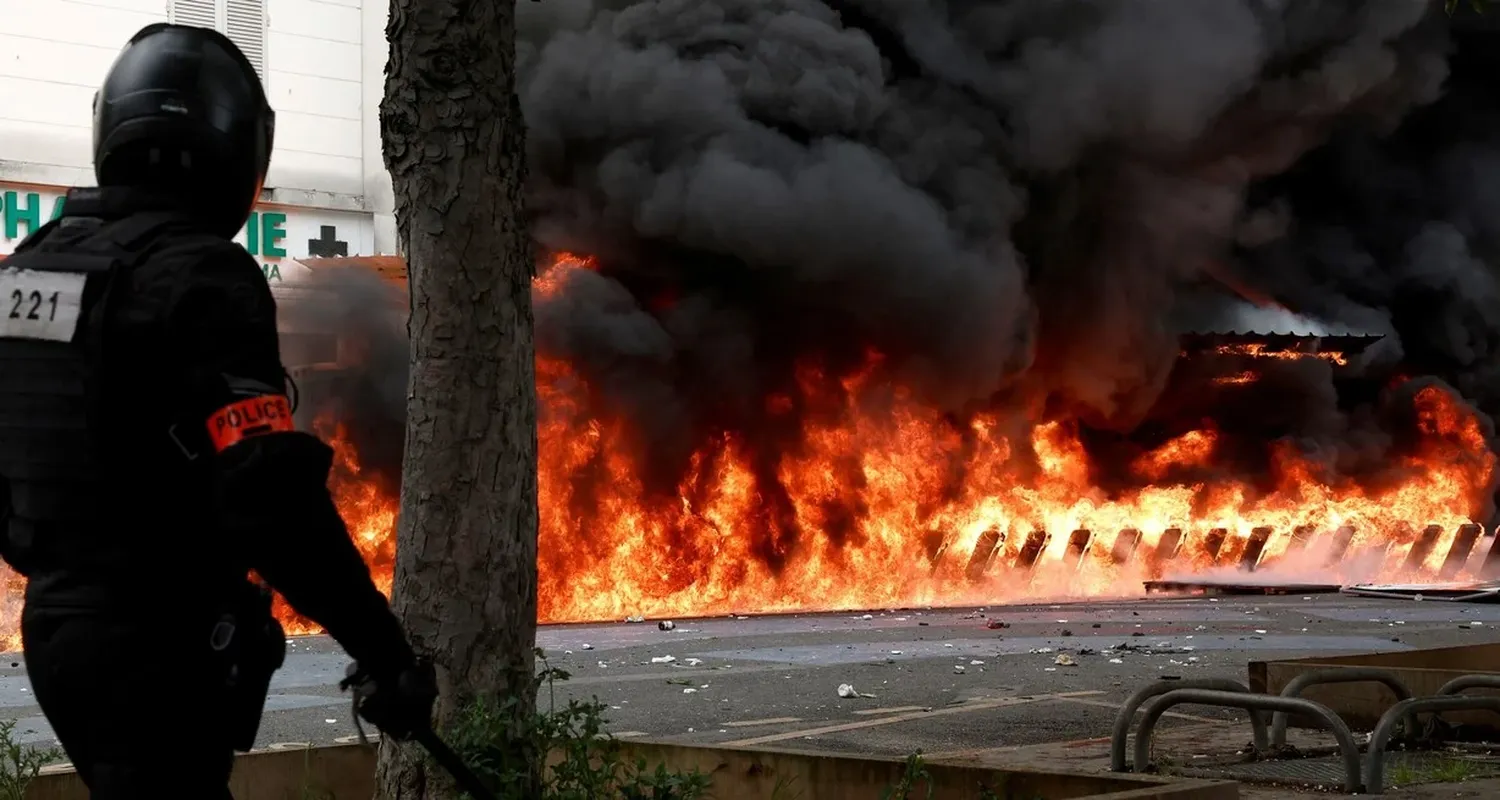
[(148, 462)]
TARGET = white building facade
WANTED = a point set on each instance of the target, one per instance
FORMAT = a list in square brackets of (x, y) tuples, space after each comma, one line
[(322, 62)]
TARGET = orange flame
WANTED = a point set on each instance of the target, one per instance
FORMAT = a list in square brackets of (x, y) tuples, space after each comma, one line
[(1237, 379), (911, 539), (913, 535), (870, 486), (1258, 350)]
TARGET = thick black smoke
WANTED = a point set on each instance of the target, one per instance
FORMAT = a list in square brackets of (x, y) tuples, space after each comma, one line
[(358, 382), (1007, 199)]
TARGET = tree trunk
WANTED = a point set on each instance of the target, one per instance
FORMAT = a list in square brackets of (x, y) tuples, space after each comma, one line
[(465, 582)]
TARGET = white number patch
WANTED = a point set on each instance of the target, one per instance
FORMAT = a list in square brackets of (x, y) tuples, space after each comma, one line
[(40, 305)]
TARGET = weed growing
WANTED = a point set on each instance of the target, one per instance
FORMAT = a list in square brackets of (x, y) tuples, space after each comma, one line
[(587, 763), (19, 763)]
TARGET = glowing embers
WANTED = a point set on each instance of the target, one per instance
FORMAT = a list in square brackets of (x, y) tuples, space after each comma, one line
[(1241, 350)]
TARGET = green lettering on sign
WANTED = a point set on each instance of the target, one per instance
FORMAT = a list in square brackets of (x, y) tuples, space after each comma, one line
[(252, 233), (16, 213), (272, 231), (57, 206), (271, 271)]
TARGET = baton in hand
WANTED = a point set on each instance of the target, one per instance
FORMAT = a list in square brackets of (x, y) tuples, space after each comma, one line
[(425, 736)]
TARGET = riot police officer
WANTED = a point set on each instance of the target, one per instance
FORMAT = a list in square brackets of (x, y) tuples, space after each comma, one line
[(148, 461)]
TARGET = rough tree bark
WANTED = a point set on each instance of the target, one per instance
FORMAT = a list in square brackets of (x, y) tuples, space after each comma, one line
[(465, 582)]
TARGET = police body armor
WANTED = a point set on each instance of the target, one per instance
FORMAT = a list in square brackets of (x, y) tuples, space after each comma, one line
[(56, 292), (58, 453)]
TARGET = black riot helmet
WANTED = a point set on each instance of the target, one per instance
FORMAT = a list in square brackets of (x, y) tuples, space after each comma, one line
[(183, 111)]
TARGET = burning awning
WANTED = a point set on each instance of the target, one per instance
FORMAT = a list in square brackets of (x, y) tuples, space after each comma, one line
[(392, 268), (1213, 320)]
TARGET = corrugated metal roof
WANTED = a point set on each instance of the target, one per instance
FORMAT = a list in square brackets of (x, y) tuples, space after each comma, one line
[(1213, 313)]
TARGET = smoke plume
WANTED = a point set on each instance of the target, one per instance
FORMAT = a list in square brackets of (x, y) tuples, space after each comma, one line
[(1006, 200)]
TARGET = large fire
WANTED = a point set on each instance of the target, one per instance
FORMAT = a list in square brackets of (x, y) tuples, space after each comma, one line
[(871, 479)]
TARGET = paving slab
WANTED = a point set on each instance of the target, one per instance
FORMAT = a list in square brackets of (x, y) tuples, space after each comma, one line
[(986, 682)]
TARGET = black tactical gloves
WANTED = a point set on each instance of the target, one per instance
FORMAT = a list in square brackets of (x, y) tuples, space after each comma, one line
[(398, 703)]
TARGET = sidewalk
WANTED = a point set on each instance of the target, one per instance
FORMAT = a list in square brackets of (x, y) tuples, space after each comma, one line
[(1203, 741)]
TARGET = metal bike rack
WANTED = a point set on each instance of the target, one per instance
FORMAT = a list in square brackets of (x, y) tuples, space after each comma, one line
[(1254, 703), (1464, 682), (1320, 677), (1121, 734), (1375, 757)]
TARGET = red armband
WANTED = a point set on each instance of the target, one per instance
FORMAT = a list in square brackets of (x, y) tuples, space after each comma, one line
[(256, 416)]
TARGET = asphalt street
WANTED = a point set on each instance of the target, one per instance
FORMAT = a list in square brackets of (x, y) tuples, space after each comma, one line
[(942, 681)]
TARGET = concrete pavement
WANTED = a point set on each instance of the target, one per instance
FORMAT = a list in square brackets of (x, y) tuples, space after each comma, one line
[(1025, 680)]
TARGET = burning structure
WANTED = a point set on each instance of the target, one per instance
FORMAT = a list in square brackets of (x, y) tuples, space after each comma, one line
[(865, 303)]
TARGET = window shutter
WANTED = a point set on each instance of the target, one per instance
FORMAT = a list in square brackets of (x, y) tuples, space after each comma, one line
[(199, 13), (245, 25), (243, 21)]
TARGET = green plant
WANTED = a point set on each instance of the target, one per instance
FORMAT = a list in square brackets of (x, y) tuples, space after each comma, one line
[(586, 763), (915, 772), (19, 763), (1445, 770), (1453, 770)]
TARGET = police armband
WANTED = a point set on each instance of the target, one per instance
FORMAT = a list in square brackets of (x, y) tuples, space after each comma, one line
[(248, 418)]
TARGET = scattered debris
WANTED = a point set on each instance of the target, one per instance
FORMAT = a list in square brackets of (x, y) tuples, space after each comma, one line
[(996, 624), (666, 625), (635, 618), (1202, 586), (1064, 660), (848, 692), (689, 690), (1066, 632), (586, 647), (693, 662), (958, 669), (1462, 592), (663, 659)]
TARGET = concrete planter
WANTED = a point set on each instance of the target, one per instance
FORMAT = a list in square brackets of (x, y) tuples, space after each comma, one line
[(1361, 704), (346, 772)]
